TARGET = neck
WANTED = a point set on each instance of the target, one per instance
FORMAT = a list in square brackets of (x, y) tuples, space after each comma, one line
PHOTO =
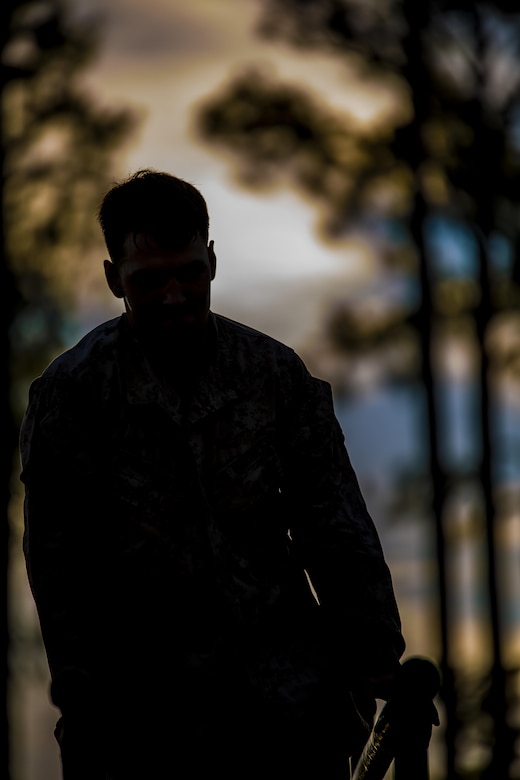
[(180, 364)]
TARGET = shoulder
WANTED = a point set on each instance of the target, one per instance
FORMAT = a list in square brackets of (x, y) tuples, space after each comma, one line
[(255, 346), (80, 371), (257, 359), (73, 389), (93, 351)]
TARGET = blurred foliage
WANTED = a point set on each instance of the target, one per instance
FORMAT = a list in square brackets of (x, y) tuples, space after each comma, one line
[(59, 155), (432, 187), (454, 133), (59, 152)]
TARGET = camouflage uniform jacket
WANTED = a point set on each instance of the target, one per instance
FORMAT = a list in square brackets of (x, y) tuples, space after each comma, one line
[(159, 533)]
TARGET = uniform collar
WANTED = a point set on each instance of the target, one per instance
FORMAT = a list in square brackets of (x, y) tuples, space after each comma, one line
[(215, 389)]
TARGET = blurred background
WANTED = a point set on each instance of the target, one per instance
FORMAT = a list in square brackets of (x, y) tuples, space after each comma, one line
[(360, 160)]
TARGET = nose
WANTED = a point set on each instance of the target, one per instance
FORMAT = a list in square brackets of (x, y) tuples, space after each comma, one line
[(172, 294)]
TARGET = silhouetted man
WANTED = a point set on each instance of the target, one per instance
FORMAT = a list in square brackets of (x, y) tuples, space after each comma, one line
[(186, 480)]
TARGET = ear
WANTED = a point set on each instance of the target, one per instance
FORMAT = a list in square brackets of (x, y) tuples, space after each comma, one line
[(212, 259), (113, 279)]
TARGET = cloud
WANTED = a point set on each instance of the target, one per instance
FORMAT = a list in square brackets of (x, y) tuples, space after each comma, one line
[(161, 31)]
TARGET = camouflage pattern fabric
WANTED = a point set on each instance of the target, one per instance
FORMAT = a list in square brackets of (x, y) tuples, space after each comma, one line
[(182, 534)]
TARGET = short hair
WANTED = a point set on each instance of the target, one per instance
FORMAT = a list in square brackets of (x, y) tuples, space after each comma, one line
[(170, 210)]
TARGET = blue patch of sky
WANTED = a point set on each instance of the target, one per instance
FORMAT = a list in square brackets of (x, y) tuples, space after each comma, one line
[(386, 229), (506, 443), (403, 288), (42, 327), (384, 431), (460, 442), (460, 439), (514, 128), (397, 285), (501, 254), (29, 327), (454, 250), (387, 435)]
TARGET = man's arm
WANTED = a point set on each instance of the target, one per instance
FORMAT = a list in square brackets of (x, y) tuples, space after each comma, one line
[(338, 544), (60, 496)]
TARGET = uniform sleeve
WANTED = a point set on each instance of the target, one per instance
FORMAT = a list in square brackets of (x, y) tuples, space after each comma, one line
[(335, 538), (62, 488)]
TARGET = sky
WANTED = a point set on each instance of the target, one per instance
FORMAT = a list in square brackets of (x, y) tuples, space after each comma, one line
[(162, 58)]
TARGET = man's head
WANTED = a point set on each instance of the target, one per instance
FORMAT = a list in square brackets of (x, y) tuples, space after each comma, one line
[(156, 230)]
